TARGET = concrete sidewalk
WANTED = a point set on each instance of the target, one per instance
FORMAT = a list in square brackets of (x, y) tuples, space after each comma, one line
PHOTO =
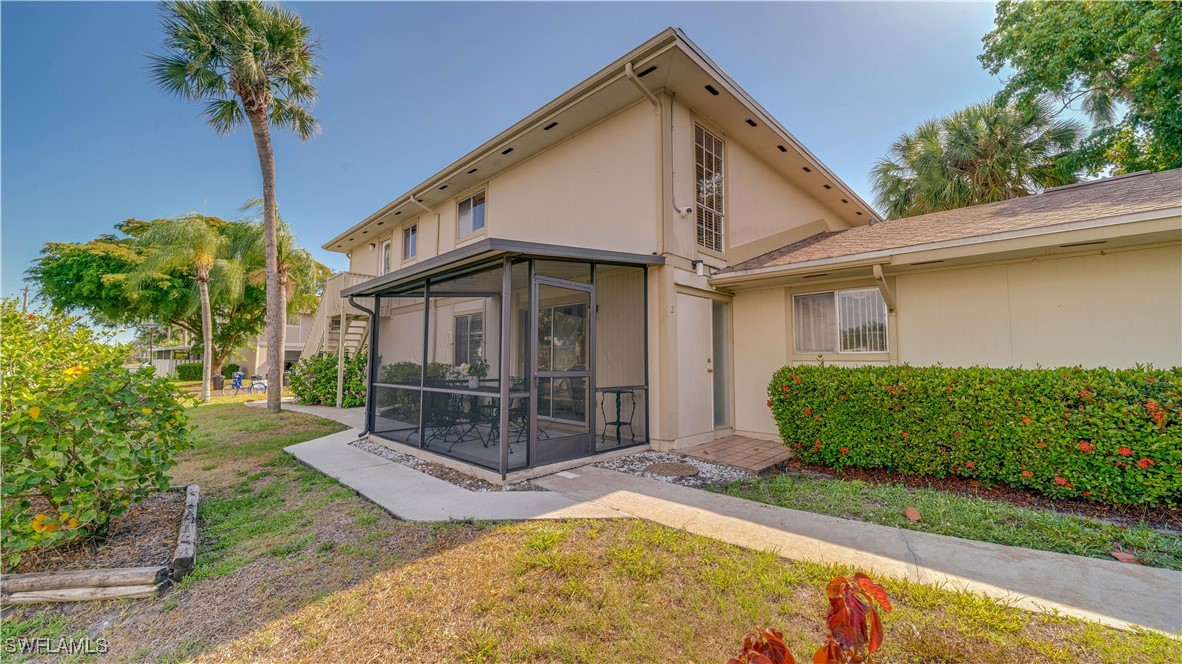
[(1107, 591), (415, 496)]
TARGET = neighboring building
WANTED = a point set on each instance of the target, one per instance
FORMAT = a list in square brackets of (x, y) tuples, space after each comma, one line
[(634, 260), (251, 359)]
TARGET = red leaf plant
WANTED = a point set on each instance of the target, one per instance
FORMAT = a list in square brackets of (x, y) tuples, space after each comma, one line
[(764, 646), (855, 630)]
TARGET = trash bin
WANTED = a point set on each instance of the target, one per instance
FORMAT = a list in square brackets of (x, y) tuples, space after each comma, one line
[(286, 379), (219, 381)]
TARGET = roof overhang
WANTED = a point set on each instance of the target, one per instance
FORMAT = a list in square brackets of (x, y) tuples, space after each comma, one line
[(488, 248), (1126, 230), (667, 63)]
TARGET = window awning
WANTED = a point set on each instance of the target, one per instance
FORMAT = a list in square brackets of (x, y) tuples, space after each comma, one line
[(490, 248)]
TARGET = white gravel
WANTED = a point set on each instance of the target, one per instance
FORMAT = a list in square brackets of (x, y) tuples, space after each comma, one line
[(439, 471), (709, 474)]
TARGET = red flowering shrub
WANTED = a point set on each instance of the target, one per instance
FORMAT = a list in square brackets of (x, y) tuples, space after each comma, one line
[(1113, 436)]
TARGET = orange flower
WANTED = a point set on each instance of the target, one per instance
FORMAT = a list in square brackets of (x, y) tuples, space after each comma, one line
[(1124, 451), (1060, 481), (1027, 473), (1025, 420), (769, 403), (1145, 463), (906, 435), (1086, 447), (844, 451), (808, 411)]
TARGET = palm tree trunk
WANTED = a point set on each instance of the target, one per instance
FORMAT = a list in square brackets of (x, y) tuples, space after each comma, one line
[(276, 316), (207, 337)]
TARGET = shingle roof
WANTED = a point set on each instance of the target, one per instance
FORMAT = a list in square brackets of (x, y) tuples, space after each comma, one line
[(1099, 199)]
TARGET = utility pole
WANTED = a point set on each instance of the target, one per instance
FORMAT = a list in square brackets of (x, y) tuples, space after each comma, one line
[(25, 299)]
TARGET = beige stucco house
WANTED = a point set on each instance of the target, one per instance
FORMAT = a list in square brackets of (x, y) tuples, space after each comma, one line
[(630, 263), (251, 358)]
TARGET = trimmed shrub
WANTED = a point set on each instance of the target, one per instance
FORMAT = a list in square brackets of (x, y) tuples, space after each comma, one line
[(188, 371), (81, 436), (1113, 436), (228, 370), (314, 379)]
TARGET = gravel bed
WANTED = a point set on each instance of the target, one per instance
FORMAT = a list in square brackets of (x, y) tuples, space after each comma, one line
[(709, 474), (456, 477)]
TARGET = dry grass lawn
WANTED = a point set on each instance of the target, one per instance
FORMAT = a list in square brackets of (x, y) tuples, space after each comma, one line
[(295, 567)]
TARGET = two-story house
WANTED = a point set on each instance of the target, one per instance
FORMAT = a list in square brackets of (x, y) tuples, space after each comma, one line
[(620, 268)]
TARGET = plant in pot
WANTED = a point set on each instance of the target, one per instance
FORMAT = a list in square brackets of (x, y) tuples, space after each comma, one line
[(476, 370)]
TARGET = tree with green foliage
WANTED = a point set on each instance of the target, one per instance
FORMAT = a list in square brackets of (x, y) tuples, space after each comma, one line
[(981, 154), (191, 244), (81, 436), (249, 63), (91, 278), (1121, 61)]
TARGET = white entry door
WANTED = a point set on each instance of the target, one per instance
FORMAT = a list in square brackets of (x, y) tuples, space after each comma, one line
[(695, 366)]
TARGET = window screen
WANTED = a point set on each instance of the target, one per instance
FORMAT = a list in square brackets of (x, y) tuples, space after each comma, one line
[(469, 338), (708, 174), (471, 214), (850, 321)]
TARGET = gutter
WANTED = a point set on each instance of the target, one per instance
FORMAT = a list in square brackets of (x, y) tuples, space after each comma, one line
[(884, 256), (373, 360)]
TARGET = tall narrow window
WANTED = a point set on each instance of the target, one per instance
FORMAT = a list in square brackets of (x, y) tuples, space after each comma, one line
[(469, 338), (410, 241), (385, 258), (471, 215), (708, 173)]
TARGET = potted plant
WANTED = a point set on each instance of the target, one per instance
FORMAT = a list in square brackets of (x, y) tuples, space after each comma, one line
[(476, 370)]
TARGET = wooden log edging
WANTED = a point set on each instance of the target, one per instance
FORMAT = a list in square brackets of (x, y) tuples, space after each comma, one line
[(118, 583), (185, 556)]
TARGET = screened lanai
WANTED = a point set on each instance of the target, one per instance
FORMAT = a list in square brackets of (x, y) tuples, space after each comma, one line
[(510, 355)]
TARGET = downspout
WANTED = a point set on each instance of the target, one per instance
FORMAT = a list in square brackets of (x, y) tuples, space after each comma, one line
[(631, 75), (438, 220), (373, 360), (888, 296)]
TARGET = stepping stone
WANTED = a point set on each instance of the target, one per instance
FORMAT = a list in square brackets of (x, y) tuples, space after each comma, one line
[(672, 469)]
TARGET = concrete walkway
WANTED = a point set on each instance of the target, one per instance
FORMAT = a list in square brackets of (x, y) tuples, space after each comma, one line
[(415, 496), (1107, 591)]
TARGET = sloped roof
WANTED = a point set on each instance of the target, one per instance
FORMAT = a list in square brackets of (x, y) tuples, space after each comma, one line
[(1099, 199)]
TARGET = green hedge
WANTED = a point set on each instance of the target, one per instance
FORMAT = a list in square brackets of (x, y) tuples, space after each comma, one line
[(188, 371), (1113, 436), (314, 380), (228, 370)]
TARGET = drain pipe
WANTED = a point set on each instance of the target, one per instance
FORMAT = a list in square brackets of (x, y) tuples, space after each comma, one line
[(373, 359), (438, 220), (628, 72)]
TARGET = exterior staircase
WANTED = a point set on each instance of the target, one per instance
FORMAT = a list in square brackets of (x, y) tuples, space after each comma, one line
[(338, 326)]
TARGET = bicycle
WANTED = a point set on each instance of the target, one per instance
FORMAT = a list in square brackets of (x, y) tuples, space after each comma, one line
[(236, 386)]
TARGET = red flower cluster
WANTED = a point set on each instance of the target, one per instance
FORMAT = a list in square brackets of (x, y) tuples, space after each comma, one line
[(844, 451), (1086, 447), (906, 435), (1124, 451), (1084, 394), (1027, 473), (1060, 481), (1025, 420), (1159, 416), (769, 403), (1145, 463), (808, 411), (970, 464)]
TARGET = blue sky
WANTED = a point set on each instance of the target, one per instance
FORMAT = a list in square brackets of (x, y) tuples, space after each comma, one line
[(409, 87)]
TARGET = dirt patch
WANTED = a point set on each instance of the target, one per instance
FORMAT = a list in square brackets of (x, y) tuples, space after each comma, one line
[(144, 536), (1155, 516)]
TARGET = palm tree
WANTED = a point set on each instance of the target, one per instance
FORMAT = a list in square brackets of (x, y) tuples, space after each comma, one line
[(253, 63), (190, 242), (981, 154), (301, 276)]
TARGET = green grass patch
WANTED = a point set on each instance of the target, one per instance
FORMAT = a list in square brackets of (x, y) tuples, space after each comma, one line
[(963, 516)]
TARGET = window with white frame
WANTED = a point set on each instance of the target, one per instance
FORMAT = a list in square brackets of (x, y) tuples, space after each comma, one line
[(384, 258), (708, 174), (469, 338), (410, 241), (844, 321), (471, 216)]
